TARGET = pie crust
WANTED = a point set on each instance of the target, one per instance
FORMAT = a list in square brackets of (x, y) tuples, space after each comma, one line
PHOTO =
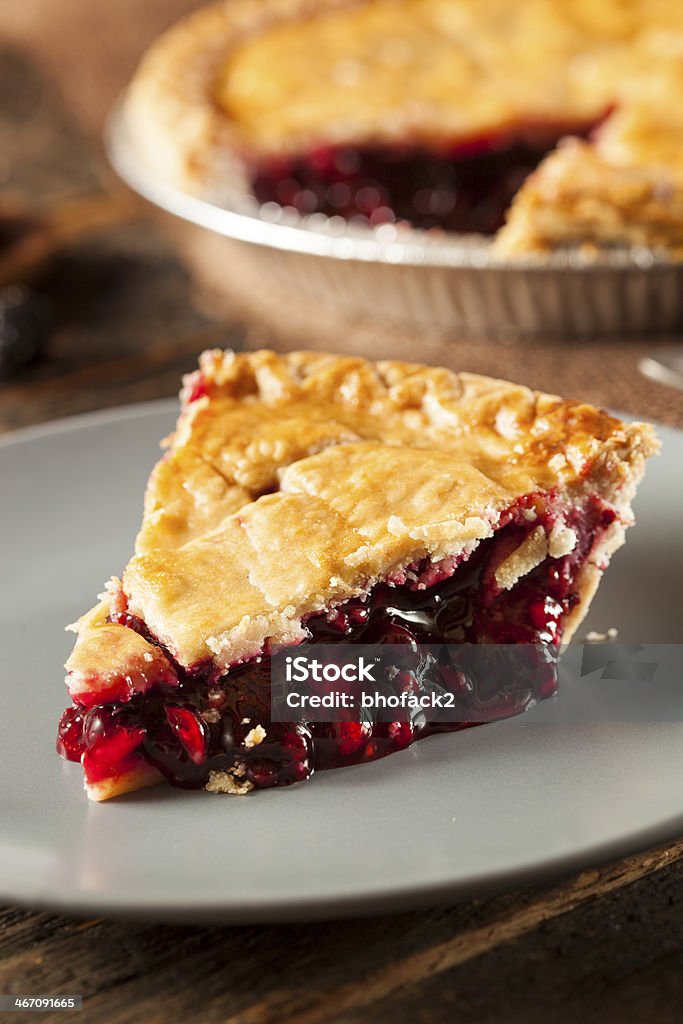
[(295, 484), (239, 86)]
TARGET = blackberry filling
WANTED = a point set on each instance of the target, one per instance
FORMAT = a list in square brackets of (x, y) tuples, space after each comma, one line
[(465, 189), (221, 723)]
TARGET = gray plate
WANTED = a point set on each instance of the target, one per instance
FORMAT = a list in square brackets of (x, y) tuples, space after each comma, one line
[(454, 816)]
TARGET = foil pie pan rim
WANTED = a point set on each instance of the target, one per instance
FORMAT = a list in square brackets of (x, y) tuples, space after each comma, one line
[(240, 217)]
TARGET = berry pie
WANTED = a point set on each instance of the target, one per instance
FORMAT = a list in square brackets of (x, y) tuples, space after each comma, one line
[(540, 123), (327, 499)]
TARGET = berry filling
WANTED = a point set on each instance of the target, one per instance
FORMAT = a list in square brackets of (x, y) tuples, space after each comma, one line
[(467, 188), (212, 723)]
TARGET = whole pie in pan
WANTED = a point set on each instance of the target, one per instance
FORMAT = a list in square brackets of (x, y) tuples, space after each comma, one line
[(541, 123), (319, 498)]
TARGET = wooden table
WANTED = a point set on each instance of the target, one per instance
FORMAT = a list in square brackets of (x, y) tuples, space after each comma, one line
[(606, 945)]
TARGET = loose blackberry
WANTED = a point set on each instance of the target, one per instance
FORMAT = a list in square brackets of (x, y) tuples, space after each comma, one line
[(25, 322)]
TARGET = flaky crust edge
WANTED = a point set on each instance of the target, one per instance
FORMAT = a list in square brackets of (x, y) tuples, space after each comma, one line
[(173, 120)]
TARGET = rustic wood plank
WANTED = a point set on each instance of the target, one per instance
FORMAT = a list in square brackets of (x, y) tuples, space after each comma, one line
[(387, 968), (455, 951), (617, 958)]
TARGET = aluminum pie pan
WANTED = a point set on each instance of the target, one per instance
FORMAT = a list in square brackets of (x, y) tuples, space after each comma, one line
[(416, 278)]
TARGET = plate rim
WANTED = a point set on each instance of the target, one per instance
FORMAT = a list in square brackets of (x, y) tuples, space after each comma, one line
[(72, 422), (339, 906)]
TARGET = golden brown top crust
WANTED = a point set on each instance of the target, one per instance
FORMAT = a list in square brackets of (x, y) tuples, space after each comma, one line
[(285, 75), (247, 79), (440, 69), (295, 482)]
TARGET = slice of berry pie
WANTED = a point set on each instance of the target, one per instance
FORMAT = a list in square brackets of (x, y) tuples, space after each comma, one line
[(329, 499), (433, 112)]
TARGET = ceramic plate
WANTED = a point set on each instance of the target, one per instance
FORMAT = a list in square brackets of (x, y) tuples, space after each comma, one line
[(554, 790)]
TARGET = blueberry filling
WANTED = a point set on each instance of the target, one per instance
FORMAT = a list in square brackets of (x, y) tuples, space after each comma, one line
[(207, 722), (466, 188)]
